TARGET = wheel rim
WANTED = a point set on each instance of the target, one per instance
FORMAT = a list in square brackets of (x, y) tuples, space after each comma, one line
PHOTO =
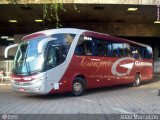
[(77, 87)]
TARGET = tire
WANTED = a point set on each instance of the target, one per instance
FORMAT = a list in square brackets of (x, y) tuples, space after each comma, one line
[(78, 87), (137, 81)]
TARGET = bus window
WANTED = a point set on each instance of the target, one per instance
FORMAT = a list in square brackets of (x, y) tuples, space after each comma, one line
[(135, 52), (63, 38), (88, 47), (101, 49), (127, 50), (53, 56), (84, 47), (117, 49), (146, 52), (56, 55), (68, 39), (149, 52), (143, 52), (109, 49)]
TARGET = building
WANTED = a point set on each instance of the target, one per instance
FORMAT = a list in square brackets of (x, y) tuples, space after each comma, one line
[(21, 17)]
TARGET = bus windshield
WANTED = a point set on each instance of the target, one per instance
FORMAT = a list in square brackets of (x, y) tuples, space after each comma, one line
[(29, 61)]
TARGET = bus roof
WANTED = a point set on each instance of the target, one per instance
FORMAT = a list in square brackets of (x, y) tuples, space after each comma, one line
[(112, 38), (51, 32), (80, 31)]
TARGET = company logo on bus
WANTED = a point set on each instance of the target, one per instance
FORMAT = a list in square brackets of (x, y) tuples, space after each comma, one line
[(120, 67), (137, 63), (128, 65)]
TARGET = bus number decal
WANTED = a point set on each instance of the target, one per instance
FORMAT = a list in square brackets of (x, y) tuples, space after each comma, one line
[(87, 38)]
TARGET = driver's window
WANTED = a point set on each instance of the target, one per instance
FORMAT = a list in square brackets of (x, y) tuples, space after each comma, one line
[(52, 59), (56, 55)]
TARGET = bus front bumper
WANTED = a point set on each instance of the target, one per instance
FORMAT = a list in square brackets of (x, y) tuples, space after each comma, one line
[(35, 86)]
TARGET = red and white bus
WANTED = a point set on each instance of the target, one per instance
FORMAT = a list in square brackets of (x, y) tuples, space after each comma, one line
[(72, 60)]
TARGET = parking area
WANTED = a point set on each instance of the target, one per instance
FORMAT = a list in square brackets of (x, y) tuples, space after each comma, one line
[(111, 100)]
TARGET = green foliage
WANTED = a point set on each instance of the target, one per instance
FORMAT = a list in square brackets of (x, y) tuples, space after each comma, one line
[(50, 11), (13, 1)]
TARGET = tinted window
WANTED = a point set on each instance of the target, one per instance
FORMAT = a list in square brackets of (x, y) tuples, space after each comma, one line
[(127, 50), (98, 47), (63, 38), (117, 49), (109, 49), (135, 51), (143, 52), (149, 52), (56, 55), (101, 48), (84, 46)]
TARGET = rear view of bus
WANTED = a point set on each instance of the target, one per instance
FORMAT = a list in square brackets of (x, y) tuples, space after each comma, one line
[(41, 60)]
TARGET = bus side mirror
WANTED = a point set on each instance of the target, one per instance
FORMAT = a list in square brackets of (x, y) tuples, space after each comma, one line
[(43, 42), (7, 48)]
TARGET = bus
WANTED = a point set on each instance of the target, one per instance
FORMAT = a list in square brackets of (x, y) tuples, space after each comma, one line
[(73, 60)]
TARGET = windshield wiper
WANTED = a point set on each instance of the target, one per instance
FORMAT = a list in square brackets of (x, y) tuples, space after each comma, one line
[(35, 72)]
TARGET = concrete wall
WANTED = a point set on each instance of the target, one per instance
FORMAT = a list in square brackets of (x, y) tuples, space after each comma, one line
[(121, 29)]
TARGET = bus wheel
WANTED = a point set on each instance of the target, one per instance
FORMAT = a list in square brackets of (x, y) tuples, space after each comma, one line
[(137, 81), (78, 87)]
